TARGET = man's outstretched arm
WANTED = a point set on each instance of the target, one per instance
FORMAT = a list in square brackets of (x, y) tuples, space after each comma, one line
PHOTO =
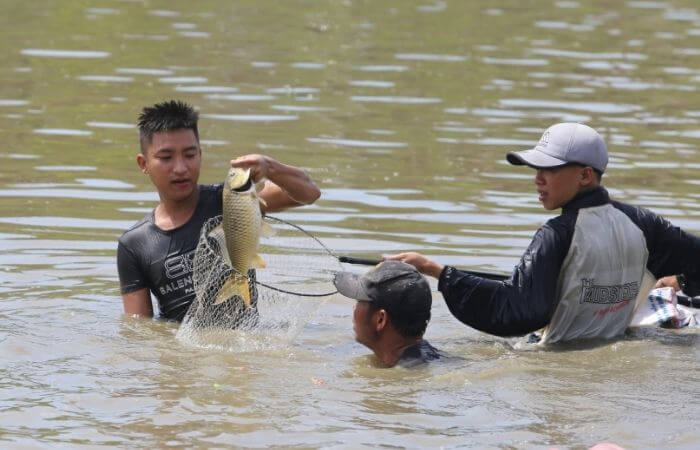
[(286, 186)]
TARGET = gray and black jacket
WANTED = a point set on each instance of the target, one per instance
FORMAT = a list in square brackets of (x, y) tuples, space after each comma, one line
[(528, 301)]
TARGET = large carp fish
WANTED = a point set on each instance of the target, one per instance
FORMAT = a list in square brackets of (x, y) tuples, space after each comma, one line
[(242, 225)]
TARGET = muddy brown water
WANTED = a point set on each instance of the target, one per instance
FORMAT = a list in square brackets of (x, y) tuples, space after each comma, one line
[(402, 112)]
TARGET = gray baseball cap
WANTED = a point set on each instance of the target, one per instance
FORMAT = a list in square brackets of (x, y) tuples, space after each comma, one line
[(565, 143), (393, 285)]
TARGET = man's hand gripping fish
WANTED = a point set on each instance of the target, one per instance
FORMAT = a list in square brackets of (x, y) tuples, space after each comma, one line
[(241, 227)]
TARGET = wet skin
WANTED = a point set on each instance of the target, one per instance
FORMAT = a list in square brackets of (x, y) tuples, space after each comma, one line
[(361, 323), (173, 161), (556, 186)]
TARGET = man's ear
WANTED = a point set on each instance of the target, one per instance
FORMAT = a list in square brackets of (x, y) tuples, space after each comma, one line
[(381, 320), (141, 161), (588, 177)]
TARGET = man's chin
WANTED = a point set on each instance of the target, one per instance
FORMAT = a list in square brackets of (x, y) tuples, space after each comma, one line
[(180, 195)]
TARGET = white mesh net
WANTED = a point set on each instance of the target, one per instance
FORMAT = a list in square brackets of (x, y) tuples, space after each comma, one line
[(284, 295)]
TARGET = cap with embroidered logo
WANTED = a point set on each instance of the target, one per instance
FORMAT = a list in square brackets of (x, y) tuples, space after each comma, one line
[(565, 143)]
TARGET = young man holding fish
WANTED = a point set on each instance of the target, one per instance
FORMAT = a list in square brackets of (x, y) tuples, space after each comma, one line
[(391, 313), (155, 255), (584, 270)]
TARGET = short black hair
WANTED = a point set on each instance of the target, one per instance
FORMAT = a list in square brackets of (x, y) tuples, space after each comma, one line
[(598, 173), (407, 325), (167, 116)]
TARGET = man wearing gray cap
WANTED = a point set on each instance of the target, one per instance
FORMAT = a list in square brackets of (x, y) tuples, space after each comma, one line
[(584, 271), (391, 313)]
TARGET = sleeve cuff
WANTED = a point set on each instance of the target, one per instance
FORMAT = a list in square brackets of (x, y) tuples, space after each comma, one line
[(445, 277)]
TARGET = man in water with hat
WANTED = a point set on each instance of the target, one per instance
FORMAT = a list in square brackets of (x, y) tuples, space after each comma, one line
[(391, 313), (582, 273)]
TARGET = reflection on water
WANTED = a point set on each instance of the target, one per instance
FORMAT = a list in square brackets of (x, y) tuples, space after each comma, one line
[(402, 113)]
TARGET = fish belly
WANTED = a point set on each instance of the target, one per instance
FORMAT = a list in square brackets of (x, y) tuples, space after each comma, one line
[(242, 221)]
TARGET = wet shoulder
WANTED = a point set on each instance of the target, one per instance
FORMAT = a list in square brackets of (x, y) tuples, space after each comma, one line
[(418, 354), (138, 232)]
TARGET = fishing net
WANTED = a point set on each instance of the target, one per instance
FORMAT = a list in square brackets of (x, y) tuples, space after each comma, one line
[(297, 279)]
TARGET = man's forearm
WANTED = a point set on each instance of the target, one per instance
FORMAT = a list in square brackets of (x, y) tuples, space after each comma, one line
[(294, 182)]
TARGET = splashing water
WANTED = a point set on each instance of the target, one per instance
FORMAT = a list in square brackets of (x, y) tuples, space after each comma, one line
[(298, 268)]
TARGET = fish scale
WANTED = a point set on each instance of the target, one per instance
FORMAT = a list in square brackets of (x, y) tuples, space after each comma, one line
[(242, 226)]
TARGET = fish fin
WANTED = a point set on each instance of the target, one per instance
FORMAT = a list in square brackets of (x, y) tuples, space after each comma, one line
[(234, 286), (217, 233), (267, 230), (260, 199), (258, 262)]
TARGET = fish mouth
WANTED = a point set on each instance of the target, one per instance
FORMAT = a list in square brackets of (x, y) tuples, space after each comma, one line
[(246, 186), (239, 180)]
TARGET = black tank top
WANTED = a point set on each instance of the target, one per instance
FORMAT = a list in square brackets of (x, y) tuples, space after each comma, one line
[(161, 261)]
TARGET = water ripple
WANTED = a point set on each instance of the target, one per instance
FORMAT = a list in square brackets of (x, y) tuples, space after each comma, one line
[(437, 6), (176, 80), (241, 97), (184, 26), (252, 117), (430, 57), (607, 65), (106, 78), (116, 125), (194, 34), (59, 168), (144, 71), (102, 11), (382, 68), (62, 132), (68, 222), (356, 143), (558, 25), (308, 65), (297, 108), (395, 99), (48, 53), (206, 89), (647, 5), (164, 13), (589, 55), (290, 90), (372, 83), (592, 107), (515, 61), (10, 102), (86, 194)]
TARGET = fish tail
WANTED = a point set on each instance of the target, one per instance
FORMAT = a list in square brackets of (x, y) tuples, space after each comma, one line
[(235, 286)]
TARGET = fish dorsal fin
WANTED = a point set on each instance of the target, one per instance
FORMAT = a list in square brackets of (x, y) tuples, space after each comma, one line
[(258, 262)]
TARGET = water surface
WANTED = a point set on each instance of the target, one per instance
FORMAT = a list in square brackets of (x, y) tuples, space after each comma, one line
[(402, 112)]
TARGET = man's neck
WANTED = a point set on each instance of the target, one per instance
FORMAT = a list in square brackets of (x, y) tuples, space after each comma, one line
[(390, 350), (173, 214)]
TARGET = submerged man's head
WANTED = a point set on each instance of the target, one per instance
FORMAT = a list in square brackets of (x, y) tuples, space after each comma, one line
[(393, 297)]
